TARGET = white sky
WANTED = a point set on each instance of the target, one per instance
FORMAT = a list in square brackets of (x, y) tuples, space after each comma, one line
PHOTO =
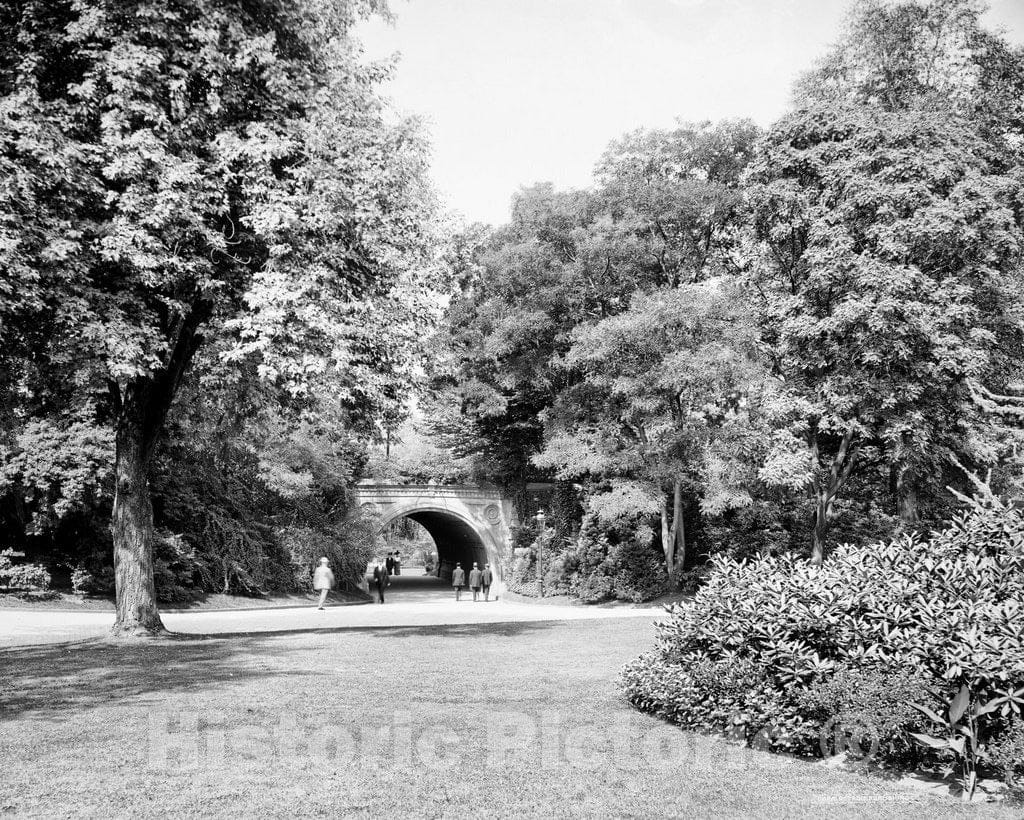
[(519, 91)]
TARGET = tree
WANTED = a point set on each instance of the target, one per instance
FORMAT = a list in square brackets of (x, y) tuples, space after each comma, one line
[(654, 382), (888, 285), (663, 215), (185, 172), (898, 55)]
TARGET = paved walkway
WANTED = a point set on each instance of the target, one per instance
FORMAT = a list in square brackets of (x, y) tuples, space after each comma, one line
[(412, 600)]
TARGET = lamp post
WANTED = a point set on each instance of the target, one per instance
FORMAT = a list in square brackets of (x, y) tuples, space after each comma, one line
[(541, 518)]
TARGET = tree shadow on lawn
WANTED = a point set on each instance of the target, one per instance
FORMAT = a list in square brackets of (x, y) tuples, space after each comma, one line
[(499, 629), (49, 678)]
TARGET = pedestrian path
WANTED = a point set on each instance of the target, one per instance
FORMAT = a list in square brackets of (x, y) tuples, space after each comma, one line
[(410, 601)]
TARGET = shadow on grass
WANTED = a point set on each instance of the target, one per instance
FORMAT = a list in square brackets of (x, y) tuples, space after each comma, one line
[(499, 629), (48, 678), (83, 674)]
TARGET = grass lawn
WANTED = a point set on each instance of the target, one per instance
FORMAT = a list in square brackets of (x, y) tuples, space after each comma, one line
[(476, 720)]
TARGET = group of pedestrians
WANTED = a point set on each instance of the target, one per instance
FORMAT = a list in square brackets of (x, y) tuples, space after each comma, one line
[(393, 563), (479, 581)]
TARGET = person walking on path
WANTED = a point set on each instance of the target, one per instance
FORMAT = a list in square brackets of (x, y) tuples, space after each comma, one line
[(398, 563), (486, 577), (323, 580), (380, 580), (390, 563), (458, 581), (475, 579)]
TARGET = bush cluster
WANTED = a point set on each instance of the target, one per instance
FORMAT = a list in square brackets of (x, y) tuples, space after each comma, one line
[(21, 576), (787, 651), (1006, 755), (602, 562)]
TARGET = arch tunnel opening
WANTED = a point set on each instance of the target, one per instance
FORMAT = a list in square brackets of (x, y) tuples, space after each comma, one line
[(456, 542)]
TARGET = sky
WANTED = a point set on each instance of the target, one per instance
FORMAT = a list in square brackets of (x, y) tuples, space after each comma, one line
[(514, 92)]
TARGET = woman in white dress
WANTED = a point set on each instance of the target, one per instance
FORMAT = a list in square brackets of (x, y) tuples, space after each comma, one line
[(323, 580)]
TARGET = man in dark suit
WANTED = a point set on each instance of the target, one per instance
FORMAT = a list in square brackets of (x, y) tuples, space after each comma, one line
[(380, 579), (475, 577), (458, 581), (485, 581), (390, 564)]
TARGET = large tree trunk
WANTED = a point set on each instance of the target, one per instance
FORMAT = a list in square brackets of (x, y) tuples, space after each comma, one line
[(142, 407), (132, 528)]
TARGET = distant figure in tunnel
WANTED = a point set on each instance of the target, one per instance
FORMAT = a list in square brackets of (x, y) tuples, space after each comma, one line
[(323, 580), (380, 580), (390, 563), (475, 580), (458, 581), (398, 563), (486, 577)]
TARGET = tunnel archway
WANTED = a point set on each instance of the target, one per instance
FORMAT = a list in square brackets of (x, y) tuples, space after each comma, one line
[(456, 538)]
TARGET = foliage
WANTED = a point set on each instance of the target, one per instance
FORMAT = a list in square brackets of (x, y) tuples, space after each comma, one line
[(88, 582), (348, 548), (867, 710), (180, 572), (960, 735), (55, 467), (888, 287), (747, 335), (216, 504), (516, 338), (409, 454), (946, 609), (22, 576), (620, 561), (1006, 754)]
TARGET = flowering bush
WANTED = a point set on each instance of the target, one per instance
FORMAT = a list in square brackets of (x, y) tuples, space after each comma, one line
[(97, 581), (948, 610), (21, 576)]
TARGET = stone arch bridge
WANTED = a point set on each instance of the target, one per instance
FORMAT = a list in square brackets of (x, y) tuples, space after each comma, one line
[(467, 523)]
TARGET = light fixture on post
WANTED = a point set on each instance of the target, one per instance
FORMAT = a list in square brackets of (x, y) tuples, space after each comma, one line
[(541, 519)]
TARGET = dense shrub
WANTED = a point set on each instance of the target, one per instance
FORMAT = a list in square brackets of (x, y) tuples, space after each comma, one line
[(875, 703), (1006, 756), (522, 567), (558, 574), (521, 574), (216, 502), (21, 576), (180, 572), (945, 610), (348, 548), (619, 560), (85, 581)]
